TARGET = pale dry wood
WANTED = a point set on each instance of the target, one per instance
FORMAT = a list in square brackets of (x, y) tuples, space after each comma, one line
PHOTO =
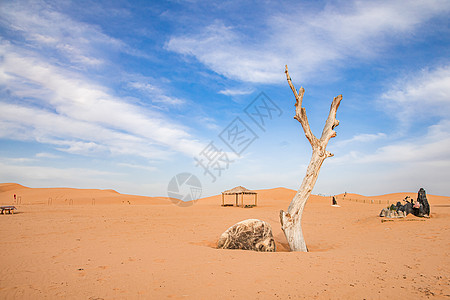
[(291, 220)]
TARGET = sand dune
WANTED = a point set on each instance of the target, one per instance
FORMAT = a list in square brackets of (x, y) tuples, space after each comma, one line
[(132, 247), (71, 196), (5, 187)]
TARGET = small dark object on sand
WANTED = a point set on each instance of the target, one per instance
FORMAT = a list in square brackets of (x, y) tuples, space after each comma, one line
[(421, 208)]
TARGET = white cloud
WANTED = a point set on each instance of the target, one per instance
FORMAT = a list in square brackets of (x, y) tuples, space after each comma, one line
[(221, 49), (81, 177), (155, 93), (49, 96), (43, 73), (47, 155), (140, 167), (70, 111), (38, 175), (44, 28), (403, 165), (307, 41), (424, 95), (18, 160), (236, 92), (361, 138), (431, 148), (146, 87), (207, 122), (409, 160)]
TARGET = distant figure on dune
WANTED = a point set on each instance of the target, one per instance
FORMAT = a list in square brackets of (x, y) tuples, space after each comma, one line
[(334, 201)]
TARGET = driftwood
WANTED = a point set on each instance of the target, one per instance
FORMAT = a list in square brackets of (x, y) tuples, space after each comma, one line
[(291, 219), (251, 234)]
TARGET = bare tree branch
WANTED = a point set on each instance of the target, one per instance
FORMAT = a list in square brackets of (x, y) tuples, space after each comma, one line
[(291, 220), (300, 112)]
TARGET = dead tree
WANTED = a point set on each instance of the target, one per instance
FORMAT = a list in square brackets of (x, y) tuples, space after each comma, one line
[(291, 220)]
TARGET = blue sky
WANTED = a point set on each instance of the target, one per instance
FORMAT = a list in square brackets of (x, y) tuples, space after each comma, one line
[(127, 94)]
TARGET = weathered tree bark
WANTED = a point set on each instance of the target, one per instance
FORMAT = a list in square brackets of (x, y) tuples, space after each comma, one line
[(291, 220)]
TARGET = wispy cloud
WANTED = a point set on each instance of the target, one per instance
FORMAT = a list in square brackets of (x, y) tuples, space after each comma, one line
[(50, 98), (140, 167), (155, 93), (430, 148), (423, 95), (361, 138), (236, 92), (415, 157), (221, 48), (47, 155), (309, 41), (45, 29), (15, 172)]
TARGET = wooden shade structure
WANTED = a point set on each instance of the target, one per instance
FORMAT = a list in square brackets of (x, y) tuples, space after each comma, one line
[(239, 190)]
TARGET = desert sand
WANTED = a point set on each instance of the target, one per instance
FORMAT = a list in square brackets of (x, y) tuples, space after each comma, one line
[(99, 244)]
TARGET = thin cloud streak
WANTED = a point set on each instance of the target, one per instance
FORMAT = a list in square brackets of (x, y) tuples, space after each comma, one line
[(82, 110), (43, 174), (361, 138), (45, 29), (432, 147), (236, 92), (155, 93), (424, 95), (309, 42)]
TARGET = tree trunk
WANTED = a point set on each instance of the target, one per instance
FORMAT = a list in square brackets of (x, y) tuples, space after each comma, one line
[(291, 220)]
